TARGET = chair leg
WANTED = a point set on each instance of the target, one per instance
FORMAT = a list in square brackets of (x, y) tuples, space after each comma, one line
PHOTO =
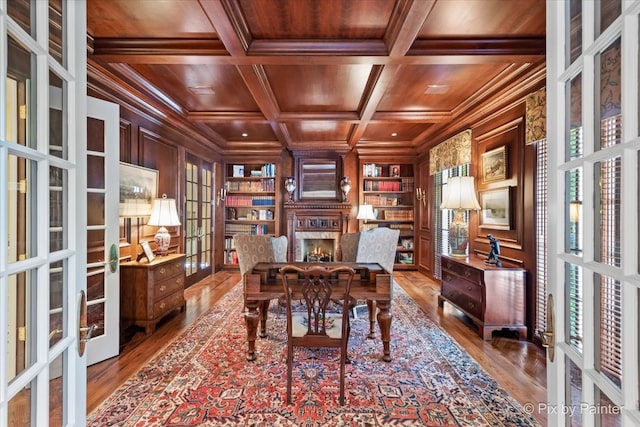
[(289, 373)]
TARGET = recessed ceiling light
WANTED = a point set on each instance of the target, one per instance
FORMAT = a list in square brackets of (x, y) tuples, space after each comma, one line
[(394, 134), (437, 89), (244, 134), (202, 90)]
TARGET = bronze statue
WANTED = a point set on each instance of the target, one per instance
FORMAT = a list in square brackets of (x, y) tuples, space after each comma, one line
[(494, 244)]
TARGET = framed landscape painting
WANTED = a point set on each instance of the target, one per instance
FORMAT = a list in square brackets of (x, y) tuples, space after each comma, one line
[(495, 211), (138, 189), (494, 164)]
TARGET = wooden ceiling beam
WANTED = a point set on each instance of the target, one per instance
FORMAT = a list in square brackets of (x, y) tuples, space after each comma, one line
[(404, 25)]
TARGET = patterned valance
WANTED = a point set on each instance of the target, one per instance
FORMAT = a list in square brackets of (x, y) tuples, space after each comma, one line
[(536, 116), (453, 152)]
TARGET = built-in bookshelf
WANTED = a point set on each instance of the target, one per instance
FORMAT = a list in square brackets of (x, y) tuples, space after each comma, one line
[(389, 189), (249, 203)]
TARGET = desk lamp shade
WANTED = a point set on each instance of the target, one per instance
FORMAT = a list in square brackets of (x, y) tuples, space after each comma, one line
[(365, 212), (163, 214), (459, 195)]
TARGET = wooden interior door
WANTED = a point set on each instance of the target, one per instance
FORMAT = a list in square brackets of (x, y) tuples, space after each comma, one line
[(198, 219)]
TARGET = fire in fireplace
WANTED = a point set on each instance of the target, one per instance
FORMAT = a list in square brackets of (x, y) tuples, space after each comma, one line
[(318, 250)]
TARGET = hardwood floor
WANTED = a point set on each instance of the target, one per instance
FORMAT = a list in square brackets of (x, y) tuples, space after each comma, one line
[(518, 366)]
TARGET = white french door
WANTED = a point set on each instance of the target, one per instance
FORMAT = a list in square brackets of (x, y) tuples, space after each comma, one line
[(43, 212), (593, 266)]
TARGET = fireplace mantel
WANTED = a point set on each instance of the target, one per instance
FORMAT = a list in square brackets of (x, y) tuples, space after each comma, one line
[(322, 218)]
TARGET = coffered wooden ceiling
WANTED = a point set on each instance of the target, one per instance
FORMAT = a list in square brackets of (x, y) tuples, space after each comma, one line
[(321, 74)]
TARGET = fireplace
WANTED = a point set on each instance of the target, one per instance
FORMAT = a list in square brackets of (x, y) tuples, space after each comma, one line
[(314, 231), (312, 246)]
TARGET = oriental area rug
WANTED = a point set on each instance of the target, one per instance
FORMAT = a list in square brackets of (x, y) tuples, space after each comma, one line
[(202, 378)]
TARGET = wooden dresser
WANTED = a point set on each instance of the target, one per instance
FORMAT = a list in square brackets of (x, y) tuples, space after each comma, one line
[(493, 297), (151, 290)]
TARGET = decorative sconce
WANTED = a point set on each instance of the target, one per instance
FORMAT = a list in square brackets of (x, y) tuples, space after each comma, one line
[(345, 186), (421, 195), (221, 196), (163, 214), (290, 186), (459, 195)]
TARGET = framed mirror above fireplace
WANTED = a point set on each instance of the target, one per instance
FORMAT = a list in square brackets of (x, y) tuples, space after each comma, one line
[(318, 178)]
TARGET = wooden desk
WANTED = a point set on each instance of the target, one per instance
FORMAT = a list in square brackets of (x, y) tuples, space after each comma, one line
[(371, 283), (493, 297)]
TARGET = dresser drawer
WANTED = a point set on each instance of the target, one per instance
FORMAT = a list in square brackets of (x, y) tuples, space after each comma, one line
[(165, 271), (472, 289), (462, 271), (471, 306), (167, 287), (167, 304)]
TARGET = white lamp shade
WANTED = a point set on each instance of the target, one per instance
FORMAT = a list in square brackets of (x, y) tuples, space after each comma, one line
[(164, 212), (460, 193), (365, 212)]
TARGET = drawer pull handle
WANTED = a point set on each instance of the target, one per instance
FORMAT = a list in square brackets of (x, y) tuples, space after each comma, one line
[(469, 288), (162, 288), (467, 273), (179, 280), (162, 306), (162, 270), (471, 305)]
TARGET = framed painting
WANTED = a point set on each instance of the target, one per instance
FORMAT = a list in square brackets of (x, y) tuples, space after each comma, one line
[(496, 209), (138, 189), (148, 252), (494, 164)]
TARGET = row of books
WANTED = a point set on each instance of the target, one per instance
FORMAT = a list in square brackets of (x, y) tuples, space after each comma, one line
[(241, 201), (399, 215), (377, 200), (252, 186), (248, 214), (259, 229), (230, 257), (374, 170), (268, 169)]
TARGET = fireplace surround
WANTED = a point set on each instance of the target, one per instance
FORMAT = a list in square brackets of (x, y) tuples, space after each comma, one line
[(316, 222)]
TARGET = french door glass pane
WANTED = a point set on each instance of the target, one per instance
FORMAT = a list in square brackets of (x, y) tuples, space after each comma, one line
[(575, 30), (20, 405), (573, 215), (607, 412), (57, 121), (56, 392), (23, 13), (57, 307), (206, 218), (21, 319), (21, 68), (574, 148), (22, 208), (574, 390), (57, 206), (609, 309), (610, 96), (608, 10), (608, 206), (56, 31), (574, 305)]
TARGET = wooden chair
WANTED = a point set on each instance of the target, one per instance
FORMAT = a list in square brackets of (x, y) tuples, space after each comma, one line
[(309, 292)]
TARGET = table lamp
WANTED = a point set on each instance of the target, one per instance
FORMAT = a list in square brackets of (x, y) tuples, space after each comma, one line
[(459, 195), (163, 214), (365, 213)]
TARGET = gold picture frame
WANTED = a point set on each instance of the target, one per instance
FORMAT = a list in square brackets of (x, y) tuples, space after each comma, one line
[(138, 185), (494, 165), (496, 209), (148, 252)]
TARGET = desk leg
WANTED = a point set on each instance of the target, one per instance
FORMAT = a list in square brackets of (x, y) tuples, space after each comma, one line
[(264, 310), (251, 318), (384, 321), (371, 306)]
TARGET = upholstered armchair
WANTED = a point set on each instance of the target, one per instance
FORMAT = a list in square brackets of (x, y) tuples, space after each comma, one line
[(253, 249), (375, 245)]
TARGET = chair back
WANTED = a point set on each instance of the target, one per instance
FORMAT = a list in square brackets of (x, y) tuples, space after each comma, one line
[(252, 249), (309, 292), (349, 246), (379, 245)]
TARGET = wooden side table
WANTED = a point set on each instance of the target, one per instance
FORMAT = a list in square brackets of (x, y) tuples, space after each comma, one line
[(151, 290), (493, 297)]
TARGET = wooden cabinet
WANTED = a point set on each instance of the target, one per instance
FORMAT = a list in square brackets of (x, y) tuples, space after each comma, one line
[(493, 297), (389, 189), (151, 290), (250, 203)]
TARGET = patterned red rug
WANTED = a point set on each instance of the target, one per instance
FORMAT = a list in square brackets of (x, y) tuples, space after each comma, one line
[(203, 379)]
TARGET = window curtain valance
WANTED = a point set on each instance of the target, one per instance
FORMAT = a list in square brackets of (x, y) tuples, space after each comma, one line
[(450, 153), (536, 116)]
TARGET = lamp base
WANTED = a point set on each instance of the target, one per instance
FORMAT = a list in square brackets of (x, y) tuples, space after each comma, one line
[(163, 239), (458, 235)]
